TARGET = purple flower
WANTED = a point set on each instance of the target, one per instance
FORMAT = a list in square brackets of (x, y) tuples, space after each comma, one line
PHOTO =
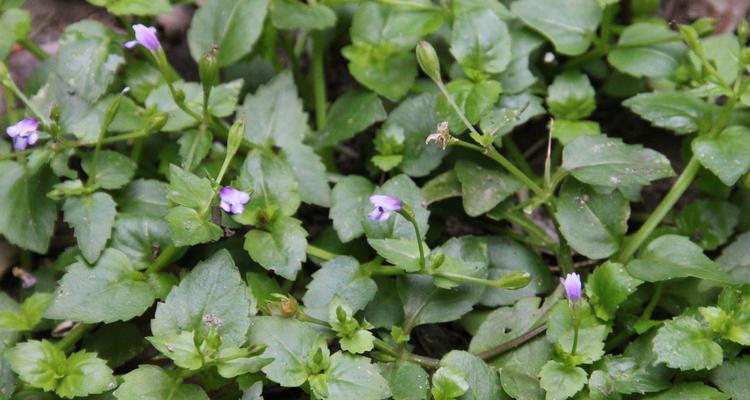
[(232, 200), (572, 283), (24, 133), (384, 207), (145, 36)]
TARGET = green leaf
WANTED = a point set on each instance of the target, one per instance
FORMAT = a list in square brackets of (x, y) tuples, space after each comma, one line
[(407, 381), (188, 227), (117, 343), (271, 181), (113, 170), (441, 187), (350, 376), (610, 163), (505, 324), (350, 206), (213, 288), (415, 116), (235, 361), (111, 290), (723, 52), (194, 147), (233, 25), (145, 197), (570, 29), (521, 367), (30, 314), (351, 114), (672, 256), (726, 155), (566, 131), (28, 217), (149, 382), (81, 73), (138, 237), (274, 114), (730, 377), (189, 190), (571, 96), (483, 188), (561, 381), (684, 343), (505, 256), (608, 287), (474, 99), (92, 218), (281, 249), (448, 383), (403, 253), (221, 103), (735, 259), (310, 173), (179, 348), (680, 112), (632, 373), (689, 391), (594, 224), (134, 7), (484, 381), (480, 42), (44, 366), (15, 24), (647, 49), (378, 68), (340, 278), (591, 332), (293, 14), (517, 77), (710, 222), (289, 343)]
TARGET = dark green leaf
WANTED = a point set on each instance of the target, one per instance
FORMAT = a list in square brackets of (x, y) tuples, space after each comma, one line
[(506, 255), (571, 28), (310, 172), (281, 249), (484, 381), (474, 99), (710, 222), (92, 218), (726, 155), (647, 49), (591, 332), (731, 377), (350, 114), (271, 181), (407, 381), (350, 377), (350, 206), (293, 14), (483, 188), (341, 277), (672, 256), (680, 112), (561, 381), (689, 391)]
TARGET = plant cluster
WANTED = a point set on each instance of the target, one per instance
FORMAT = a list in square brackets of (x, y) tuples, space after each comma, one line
[(480, 213)]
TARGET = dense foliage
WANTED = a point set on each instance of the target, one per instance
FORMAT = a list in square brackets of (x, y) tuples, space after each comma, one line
[(237, 237)]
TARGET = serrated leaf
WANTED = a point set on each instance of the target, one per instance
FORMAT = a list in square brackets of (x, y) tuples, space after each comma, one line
[(474, 99), (179, 348), (187, 227), (149, 382), (684, 343), (350, 376), (92, 218), (407, 381), (233, 25), (110, 290), (30, 314), (271, 181), (415, 116), (570, 27), (608, 162), (310, 172), (726, 155), (561, 381), (571, 96), (350, 114), (480, 42), (608, 287), (340, 278), (403, 253), (139, 237), (591, 331), (673, 256), (281, 249), (484, 381), (213, 288)]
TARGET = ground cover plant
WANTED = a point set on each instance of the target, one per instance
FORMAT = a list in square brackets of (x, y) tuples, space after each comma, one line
[(407, 199)]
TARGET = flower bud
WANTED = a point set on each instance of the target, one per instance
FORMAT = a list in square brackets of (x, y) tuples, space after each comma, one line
[(690, 36), (235, 136), (428, 60), (109, 116), (208, 69), (572, 284), (157, 122), (704, 26)]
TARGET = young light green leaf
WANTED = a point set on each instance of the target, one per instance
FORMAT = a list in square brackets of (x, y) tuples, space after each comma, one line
[(672, 256), (233, 25), (30, 314), (85, 374), (480, 42), (570, 29), (111, 290), (571, 96), (92, 218), (212, 291), (726, 155), (179, 348), (686, 344), (483, 188), (289, 342), (343, 278), (566, 131), (608, 162), (188, 227), (236, 361), (134, 7), (448, 383), (281, 248), (594, 224), (591, 331), (15, 24)]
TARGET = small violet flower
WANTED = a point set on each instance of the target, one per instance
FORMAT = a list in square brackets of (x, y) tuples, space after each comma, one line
[(232, 200), (572, 283), (384, 207), (24, 133), (145, 36)]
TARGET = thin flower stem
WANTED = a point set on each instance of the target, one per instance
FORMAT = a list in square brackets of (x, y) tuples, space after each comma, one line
[(575, 340), (409, 215), (658, 289), (426, 362), (512, 344), (33, 48), (320, 253), (319, 83), (11, 85), (69, 341), (168, 255)]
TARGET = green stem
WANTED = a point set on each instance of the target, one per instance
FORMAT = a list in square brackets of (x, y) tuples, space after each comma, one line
[(575, 340), (467, 278), (33, 48), (516, 156), (68, 341), (10, 84), (658, 289), (512, 344), (407, 213), (525, 223), (320, 253), (426, 362), (168, 255), (386, 270), (319, 83)]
